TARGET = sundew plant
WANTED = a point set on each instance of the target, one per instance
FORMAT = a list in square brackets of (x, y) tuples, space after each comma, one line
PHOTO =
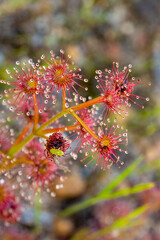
[(36, 148)]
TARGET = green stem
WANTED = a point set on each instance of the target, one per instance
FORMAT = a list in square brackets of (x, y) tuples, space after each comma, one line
[(44, 125), (17, 148), (37, 211), (14, 149)]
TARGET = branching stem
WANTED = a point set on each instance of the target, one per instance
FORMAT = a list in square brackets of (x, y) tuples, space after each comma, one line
[(38, 132)]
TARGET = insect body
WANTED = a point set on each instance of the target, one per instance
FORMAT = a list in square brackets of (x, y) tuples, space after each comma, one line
[(57, 152)]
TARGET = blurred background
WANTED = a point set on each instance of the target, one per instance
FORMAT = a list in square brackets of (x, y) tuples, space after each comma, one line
[(95, 33)]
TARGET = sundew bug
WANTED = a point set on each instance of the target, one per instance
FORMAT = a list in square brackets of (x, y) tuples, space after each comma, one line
[(56, 147)]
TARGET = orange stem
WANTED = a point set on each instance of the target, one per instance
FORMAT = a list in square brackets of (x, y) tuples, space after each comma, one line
[(84, 125), (62, 129), (36, 117), (23, 133), (2, 152), (11, 164), (64, 97), (88, 103)]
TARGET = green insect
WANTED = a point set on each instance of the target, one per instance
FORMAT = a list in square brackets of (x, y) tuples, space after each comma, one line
[(57, 152)]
